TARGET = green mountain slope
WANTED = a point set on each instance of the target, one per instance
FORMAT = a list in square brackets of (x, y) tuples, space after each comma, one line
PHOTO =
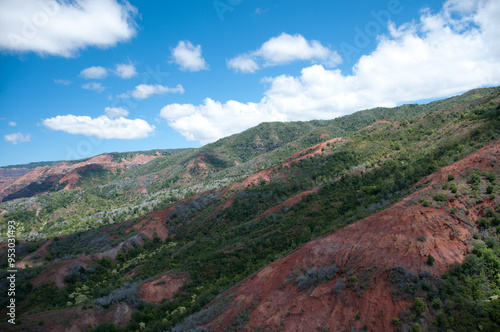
[(117, 196), (217, 216)]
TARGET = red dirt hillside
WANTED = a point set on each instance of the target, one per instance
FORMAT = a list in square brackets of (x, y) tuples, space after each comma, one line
[(163, 287), (371, 246), (265, 174), (64, 173), (289, 202)]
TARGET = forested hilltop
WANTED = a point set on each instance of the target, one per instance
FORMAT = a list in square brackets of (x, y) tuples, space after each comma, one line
[(183, 239)]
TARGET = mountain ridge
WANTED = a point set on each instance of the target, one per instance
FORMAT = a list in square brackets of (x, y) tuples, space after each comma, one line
[(213, 222)]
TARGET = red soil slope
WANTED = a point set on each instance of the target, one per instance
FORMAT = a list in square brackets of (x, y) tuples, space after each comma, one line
[(289, 202), (376, 123), (265, 175), (379, 243), (163, 287), (65, 173)]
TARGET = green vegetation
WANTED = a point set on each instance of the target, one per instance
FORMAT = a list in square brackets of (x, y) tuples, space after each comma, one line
[(218, 246), (466, 298), (430, 260)]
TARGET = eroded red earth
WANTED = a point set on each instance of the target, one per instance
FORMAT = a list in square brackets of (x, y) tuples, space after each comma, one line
[(378, 243)]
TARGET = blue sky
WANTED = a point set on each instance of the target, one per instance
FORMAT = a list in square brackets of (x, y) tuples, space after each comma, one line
[(84, 77)]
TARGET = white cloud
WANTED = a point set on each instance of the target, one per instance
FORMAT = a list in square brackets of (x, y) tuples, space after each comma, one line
[(213, 120), (243, 63), (115, 112), (102, 127), (441, 55), (63, 28), (123, 96), (94, 72), (94, 86), (12, 123), (125, 70), (143, 91), (17, 138), (62, 81), (282, 50), (188, 56)]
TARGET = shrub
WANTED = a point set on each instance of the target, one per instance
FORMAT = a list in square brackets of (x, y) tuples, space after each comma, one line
[(475, 179), (484, 222), (419, 306), (314, 276), (421, 238), (396, 321), (127, 292), (490, 189), (120, 257), (491, 177), (430, 260), (416, 328), (451, 177), (441, 197), (339, 285), (453, 188), (80, 299), (437, 303)]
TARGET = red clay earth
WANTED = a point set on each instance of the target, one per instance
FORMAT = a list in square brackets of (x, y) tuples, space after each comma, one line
[(379, 242), (265, 175), (59, 270), (37, 257), (289, 202), (376, 123), (163, 287), (65, 173)]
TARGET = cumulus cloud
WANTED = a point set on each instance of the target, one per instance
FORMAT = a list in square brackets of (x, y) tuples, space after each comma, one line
[(17, 138), (125, 70), (94, 86), (94, 72), (103, 127), (12, 123), (143, 91), (442, 54), (188, 56), (115, 112), (213, 120), (62, 28), (282, 50), (62, 81), (243, 63)]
